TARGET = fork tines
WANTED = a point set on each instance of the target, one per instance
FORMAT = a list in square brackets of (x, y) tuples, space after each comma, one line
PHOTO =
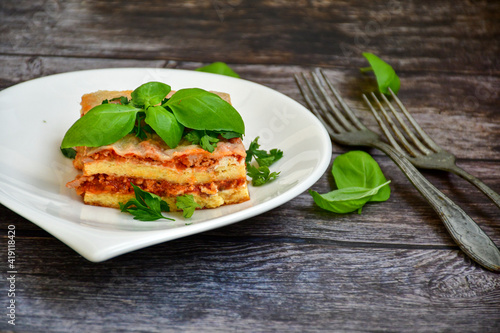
[(425, 145), (322, 105)]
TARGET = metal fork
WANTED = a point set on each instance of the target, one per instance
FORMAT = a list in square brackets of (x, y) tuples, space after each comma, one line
[(423, 152), (345, 128)]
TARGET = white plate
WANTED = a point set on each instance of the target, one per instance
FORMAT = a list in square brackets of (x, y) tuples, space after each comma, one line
[(33, 173)]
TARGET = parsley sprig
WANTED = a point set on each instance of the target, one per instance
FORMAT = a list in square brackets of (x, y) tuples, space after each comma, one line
[(208, 139), (187, 204), (148, 206), (145, 206), (261, 174)]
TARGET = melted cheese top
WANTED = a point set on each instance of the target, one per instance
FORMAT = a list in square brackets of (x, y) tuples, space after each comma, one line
[(156, 149)]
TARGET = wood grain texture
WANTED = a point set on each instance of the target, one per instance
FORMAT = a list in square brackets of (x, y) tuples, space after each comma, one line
[(296, 268), (227, 285), (260, 32)]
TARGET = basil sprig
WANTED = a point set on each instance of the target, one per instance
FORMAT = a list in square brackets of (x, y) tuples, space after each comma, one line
[(359, 180), (186, 109)]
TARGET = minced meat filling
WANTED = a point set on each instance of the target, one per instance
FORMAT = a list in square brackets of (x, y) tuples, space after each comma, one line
[(102, 183), (179, 163)]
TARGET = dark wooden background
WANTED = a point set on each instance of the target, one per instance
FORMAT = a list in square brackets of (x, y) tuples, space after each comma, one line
[(296, 268)]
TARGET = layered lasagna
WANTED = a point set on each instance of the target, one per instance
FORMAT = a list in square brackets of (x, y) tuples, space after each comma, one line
[(213, 178)]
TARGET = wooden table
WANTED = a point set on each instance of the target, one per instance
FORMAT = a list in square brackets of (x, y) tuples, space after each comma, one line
[(296, 268)]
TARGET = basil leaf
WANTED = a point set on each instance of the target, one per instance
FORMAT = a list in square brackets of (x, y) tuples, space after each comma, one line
[(187, 204), (141, 129), (68, 152), (384, 73), (165, 125), (149, 94), (218, 68), (359, 169), (102, 125), (345, 200), (202, 110)]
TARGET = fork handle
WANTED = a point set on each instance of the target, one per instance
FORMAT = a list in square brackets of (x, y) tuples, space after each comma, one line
[(462, 228), (494, 196)]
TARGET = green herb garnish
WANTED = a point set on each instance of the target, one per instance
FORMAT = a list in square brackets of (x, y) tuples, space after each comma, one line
[(261, 175), (68, 152), (218, 68), (149, 110), (102, 125), (187, 204), (384, 73), (145, 206), (358, 169), (206, 139), (150, 94), (202, 110), (345, 200), (263, 157), (359, 180)]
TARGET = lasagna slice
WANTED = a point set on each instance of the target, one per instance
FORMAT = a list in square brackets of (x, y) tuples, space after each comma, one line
[(214, 179)]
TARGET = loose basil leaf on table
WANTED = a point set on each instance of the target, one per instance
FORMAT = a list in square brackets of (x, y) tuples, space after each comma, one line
[(102, 125), (346, 200), (359, 180), (384, 73), (218, 68), (359, 169)]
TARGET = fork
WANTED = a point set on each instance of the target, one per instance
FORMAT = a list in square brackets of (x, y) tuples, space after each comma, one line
[(424, 152), (345, 128)]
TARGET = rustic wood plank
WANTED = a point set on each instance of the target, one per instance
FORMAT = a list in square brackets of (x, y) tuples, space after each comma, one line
[(17, 69), (310, 32), (222, 285)]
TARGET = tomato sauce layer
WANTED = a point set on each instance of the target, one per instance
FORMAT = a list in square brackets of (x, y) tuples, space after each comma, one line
[(102, 183)]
